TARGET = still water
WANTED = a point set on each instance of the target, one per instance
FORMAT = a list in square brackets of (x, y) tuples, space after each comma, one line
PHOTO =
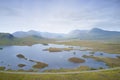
[(55, 60)]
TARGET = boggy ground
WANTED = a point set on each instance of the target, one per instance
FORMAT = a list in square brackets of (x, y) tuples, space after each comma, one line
[(109, 47), (102, 75), (105, 46), (111, 62)]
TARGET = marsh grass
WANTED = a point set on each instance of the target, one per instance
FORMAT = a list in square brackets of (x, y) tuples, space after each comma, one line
[(40, 65), (109, 47), (104, 75), (76, 60), (21, 56), (21, 65), (54, 49), (111, 62), (81, 68), (2, 68)]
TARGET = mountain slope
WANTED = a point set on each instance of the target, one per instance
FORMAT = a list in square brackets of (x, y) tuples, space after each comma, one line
[(94, 34), (21, 34), (6, 36)]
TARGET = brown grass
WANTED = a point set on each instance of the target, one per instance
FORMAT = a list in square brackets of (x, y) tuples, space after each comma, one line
[(21, 65), (109, 47), (2, 68), (76, 60), (112, 62), (40, 65), (20, 56), (53, 49)]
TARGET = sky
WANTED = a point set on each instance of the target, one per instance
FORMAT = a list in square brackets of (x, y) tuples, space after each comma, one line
[(59, 16)]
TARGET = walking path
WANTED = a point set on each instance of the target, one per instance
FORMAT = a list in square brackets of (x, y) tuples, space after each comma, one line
[(74, 72)]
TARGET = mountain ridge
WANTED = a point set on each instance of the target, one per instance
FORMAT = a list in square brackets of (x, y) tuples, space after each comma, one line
[(93, 34)]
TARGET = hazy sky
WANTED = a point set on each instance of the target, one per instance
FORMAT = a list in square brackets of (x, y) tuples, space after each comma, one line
[(60, 16)]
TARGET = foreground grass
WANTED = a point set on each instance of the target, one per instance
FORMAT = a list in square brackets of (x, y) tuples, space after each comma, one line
[(81, 68), (104, 75)]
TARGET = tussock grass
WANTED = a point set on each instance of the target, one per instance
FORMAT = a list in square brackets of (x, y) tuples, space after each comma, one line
[(21, 65), (76, 60), (109, 47), (112, 62), (2, 68), (40, 65), (104, 75), (54, 49), (81, 68)]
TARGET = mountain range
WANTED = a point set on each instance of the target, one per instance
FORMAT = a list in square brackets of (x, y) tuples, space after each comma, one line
[(21, 34), (93, 34)]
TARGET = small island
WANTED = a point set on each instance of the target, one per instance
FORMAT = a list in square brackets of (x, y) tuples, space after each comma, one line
[(21, 65), (1, 48), (53, 49), (40, 65), (2, 68), (21, 56), (76, 60), (46, 44)]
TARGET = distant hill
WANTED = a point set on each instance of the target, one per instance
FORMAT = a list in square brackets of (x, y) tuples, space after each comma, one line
[(21, 34), (93, 34), (31, 33), (6, 36)]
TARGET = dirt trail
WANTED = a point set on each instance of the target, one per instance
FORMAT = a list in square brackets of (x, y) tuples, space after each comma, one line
[(74, 72)]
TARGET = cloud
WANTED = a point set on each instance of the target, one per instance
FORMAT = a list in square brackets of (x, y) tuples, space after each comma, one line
[(6, 11), (60, 15)]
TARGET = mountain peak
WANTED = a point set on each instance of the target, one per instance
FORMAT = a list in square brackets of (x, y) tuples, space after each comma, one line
[(32, 31), (96, 30)]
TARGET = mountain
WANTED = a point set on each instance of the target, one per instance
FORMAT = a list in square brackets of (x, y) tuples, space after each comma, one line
[(22, 34), (94, 34), (76, 34), (6, 36)]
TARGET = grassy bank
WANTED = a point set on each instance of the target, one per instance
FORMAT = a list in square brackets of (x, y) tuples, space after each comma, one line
[(107, 46), (104, 75), (111, 62)]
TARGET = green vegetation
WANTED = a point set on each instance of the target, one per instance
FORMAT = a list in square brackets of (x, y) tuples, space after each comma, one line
[(21, 56), (92, 52), (21, 70), (103, 75), (52, 49), (45, 44), (2, 68), (111, 62), (40, 65), (32, 60), (105, 46), (21, 65), (118, 57), (81, 68), (37, 65), (76, 60), (1, 48)]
